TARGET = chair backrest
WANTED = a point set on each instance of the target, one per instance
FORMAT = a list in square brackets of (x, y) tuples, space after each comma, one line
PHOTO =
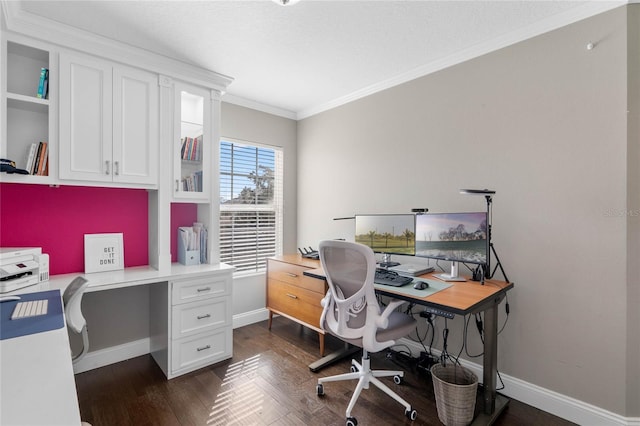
[(72, 299), (350, 306)]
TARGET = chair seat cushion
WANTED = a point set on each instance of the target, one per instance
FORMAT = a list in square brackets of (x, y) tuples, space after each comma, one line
[(400, 325)]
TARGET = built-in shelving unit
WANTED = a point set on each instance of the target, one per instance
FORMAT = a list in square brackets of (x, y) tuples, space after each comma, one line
[(28, 118), (115, 119)]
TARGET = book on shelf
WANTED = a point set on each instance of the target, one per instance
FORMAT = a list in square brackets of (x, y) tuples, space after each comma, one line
[(36, 160), (43, 84), (184, 143), (198, 148), (44, 158), (192, 154), (31, 156)]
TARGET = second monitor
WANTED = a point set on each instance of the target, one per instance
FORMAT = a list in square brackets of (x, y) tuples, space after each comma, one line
[(456, 237), (387, 233)]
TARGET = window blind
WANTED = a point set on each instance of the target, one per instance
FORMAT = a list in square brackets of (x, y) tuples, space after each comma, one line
[(250, 204)]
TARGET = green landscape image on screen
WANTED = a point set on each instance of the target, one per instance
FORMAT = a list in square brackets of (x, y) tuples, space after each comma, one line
[(387, 233)]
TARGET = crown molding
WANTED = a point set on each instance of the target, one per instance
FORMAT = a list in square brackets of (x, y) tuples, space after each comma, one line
[(66, 37), (269, 109), (576, 14)]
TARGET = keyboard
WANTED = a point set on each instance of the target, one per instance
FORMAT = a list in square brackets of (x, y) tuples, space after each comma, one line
[(32, 308), (391, 278)]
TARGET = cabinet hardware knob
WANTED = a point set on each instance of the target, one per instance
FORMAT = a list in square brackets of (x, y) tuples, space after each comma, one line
[(291, 274), (204, 316), (107, 165), (204, 289), (177, 185), (204, 348), (293, 296), (116, 168)]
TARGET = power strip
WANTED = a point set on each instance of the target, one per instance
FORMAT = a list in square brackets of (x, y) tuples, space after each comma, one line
[(439, 312)]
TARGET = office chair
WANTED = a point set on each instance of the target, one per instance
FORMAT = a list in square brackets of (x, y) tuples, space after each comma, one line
[(72, 299), (352, 313)]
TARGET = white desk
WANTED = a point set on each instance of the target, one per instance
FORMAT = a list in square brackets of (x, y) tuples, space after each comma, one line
[(37, 385), (138, 275), (36, 377)]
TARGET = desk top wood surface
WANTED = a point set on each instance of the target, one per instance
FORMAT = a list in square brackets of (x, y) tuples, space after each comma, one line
[(462, 297)]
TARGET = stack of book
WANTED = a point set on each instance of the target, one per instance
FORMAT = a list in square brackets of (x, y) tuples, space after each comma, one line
[(193, 182), (38, 159), (191, 148), (43, 85)]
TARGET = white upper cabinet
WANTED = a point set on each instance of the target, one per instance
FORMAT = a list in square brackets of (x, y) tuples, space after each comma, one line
[(108, 122)]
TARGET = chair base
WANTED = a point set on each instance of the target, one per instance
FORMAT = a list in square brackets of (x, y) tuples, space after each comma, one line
[(365, 376)]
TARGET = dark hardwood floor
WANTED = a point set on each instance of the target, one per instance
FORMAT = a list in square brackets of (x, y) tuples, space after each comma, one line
[(267, 382)]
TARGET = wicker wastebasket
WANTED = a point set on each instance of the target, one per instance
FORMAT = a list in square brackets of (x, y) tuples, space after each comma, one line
[(455, 389)]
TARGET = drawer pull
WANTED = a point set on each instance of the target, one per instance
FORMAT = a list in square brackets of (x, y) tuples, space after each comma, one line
[(200, 290), (293, 296), (204, 348), (204, 316), (291, 274)]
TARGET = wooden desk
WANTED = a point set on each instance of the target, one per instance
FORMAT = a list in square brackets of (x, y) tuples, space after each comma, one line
[(461, 298)]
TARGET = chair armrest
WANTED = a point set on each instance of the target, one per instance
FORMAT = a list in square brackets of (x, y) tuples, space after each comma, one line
[(383, 320)]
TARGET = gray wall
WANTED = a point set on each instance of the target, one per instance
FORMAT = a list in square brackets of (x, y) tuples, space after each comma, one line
[(254, 126), (544, 123), (633, 218)]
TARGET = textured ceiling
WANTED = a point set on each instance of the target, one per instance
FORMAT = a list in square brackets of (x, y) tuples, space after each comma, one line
[(315, 54)]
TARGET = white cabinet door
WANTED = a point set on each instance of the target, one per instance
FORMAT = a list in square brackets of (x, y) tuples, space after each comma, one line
[(85, 119), (108, 122), (135, 126), (192, 143)]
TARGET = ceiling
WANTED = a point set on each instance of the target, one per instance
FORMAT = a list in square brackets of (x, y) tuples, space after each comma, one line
[(302, 59)]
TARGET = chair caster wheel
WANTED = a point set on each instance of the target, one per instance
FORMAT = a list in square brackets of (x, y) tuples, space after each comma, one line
[(351, 421), (398, 380), (354, 369), (411, 414), (319, 389)]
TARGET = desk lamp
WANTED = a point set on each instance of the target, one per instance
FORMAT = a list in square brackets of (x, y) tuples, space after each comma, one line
[(488, 195)]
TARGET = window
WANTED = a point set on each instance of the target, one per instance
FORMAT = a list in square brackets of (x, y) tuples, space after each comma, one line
[(250, 204)]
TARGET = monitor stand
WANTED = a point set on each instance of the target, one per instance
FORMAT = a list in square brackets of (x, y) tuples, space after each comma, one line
[(453, 276), (386, 261)]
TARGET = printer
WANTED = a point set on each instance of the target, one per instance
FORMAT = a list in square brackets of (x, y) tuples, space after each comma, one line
[(21, 267)]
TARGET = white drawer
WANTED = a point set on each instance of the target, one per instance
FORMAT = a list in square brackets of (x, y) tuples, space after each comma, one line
[(200, 288), (197, 317), (192, 352)]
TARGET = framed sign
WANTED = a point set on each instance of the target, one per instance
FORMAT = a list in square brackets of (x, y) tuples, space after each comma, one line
[(103, 252)]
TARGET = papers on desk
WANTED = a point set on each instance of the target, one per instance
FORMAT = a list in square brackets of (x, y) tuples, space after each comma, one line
[(192, 244)]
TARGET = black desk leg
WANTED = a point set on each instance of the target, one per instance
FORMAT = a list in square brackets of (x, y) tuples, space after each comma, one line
[(490, 366), (493, 404)]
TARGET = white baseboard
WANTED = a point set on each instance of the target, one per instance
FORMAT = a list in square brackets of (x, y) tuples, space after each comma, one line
[(102, 357), (544, 399), (251, 317)]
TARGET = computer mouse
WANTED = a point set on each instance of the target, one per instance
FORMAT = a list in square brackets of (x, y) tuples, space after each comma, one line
[(421, 285)]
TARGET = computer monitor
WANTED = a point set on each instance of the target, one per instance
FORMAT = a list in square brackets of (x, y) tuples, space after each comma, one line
[(387, 233), (456, 237)]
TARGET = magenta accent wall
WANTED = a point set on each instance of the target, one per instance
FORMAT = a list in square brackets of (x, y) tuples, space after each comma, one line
[(56, 219)]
